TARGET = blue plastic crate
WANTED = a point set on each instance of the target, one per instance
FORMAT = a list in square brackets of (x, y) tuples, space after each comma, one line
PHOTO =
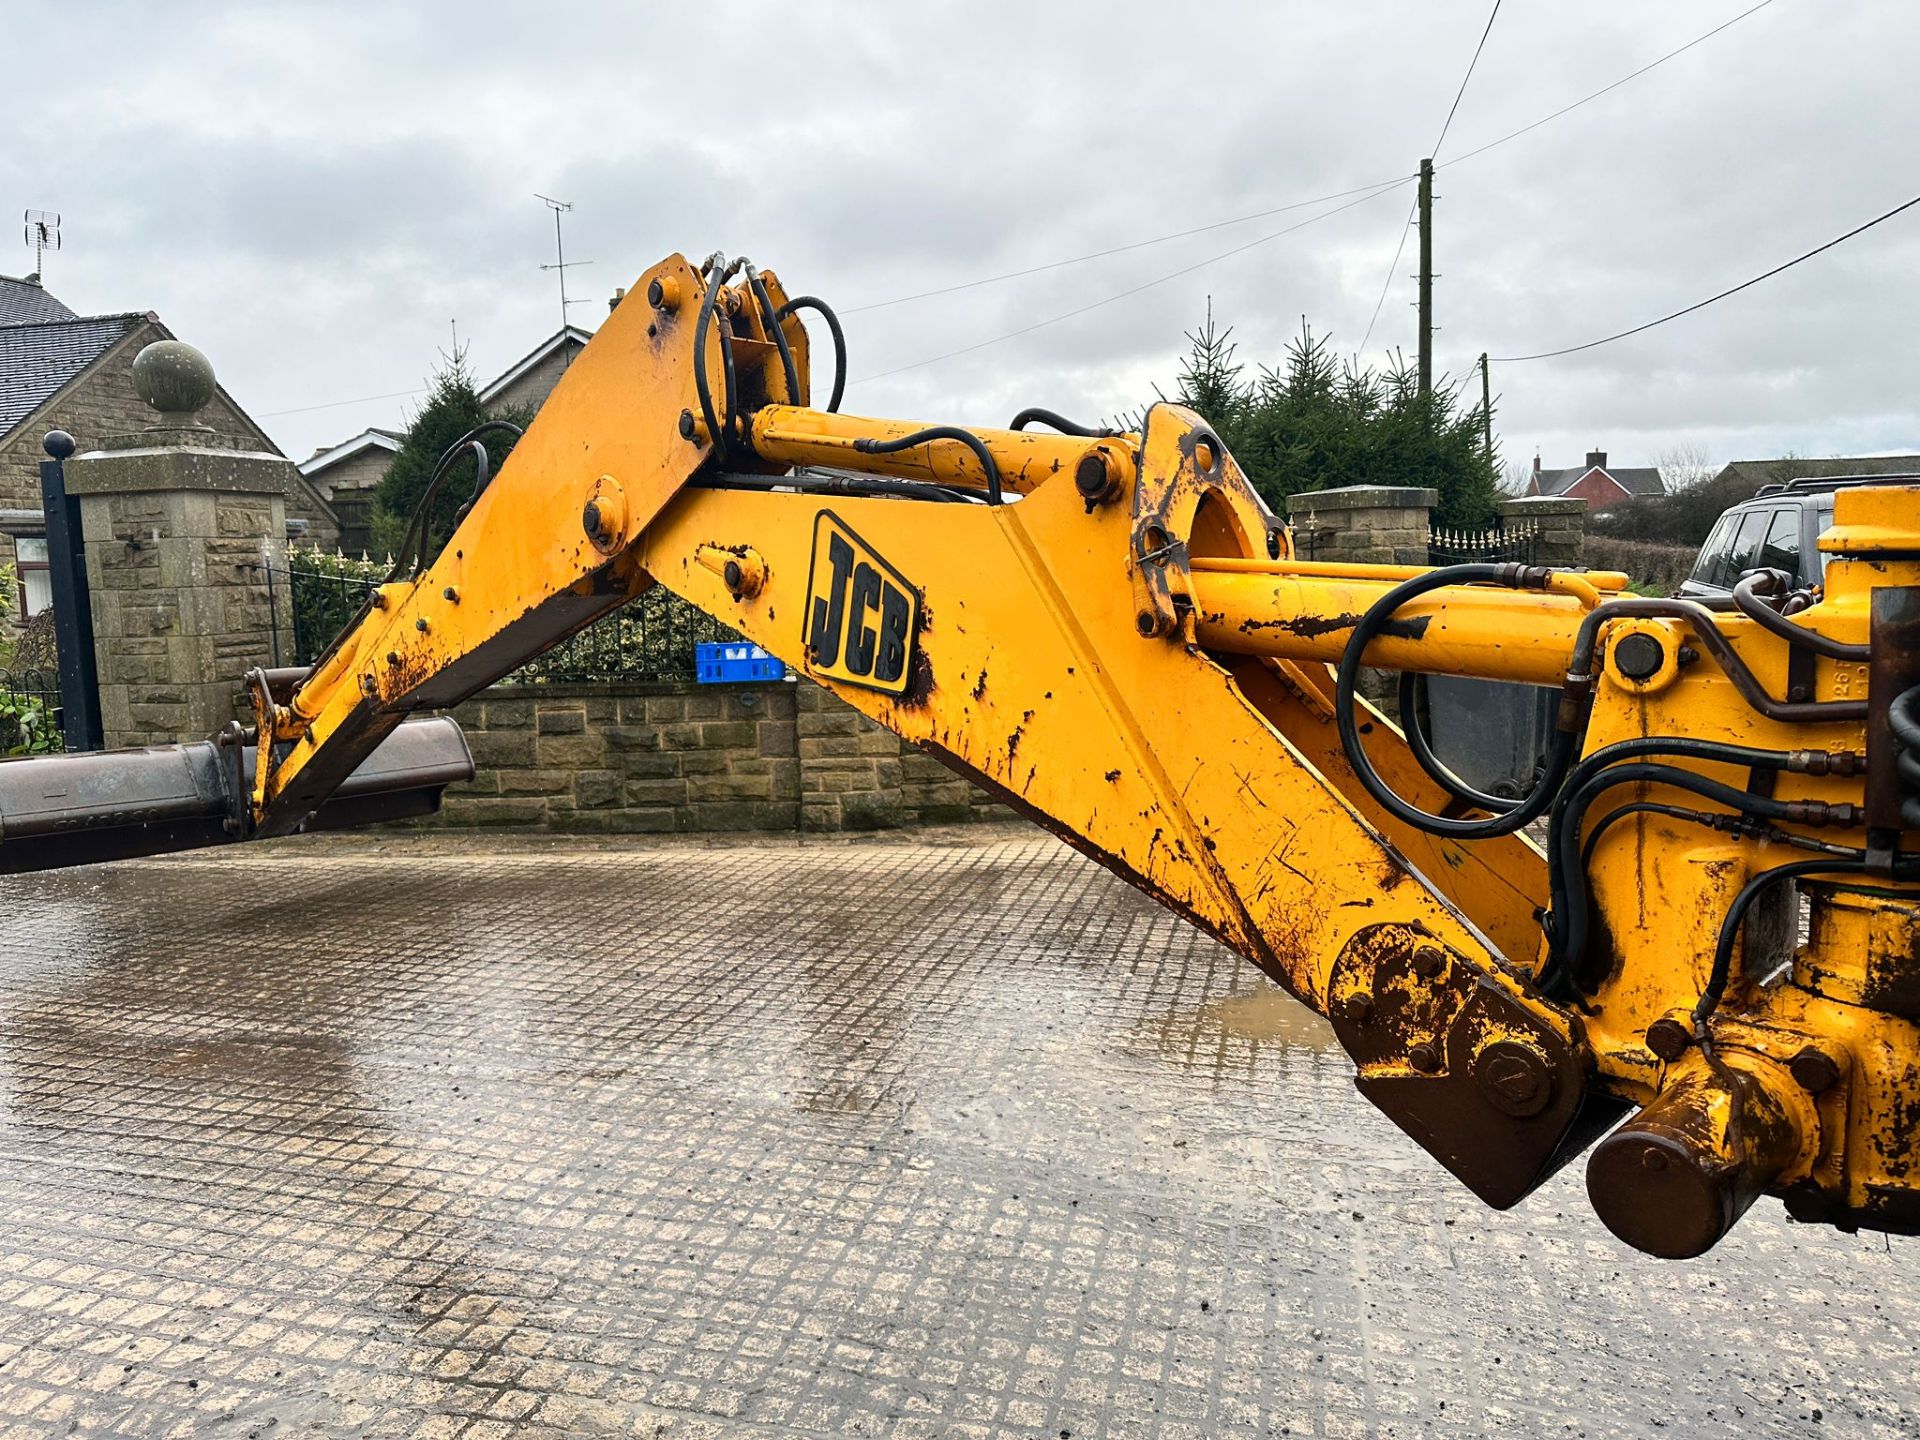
[(735, 662)]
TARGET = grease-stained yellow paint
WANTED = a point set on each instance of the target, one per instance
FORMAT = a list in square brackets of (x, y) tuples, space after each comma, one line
[(1138, 671)]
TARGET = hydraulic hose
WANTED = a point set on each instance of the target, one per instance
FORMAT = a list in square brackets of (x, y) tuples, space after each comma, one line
[(869, 446), (1520, 813), (1747, 593), (1735, 918), (414, 542), (1034, 414), (772, 319), (825, 311), (1568, 901), (1435, 767)]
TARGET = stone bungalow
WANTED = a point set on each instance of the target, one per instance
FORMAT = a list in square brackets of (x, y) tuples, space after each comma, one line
[(62, 371)]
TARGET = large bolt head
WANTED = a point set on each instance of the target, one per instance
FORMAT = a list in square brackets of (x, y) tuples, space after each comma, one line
[(1813, 1070), (1515, 1077)]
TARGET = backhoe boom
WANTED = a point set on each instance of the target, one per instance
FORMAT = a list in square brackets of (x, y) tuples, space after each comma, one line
[(1112, 633)]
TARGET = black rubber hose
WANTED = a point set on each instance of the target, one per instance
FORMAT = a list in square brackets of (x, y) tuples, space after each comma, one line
[(724, 324), (1705, 818), (825, 311), (415, 539), (1564, 815), (772, 318), (942, 432), (1736, 915), (1435, 767), (1525, 811), (1903, 719), (1567, 888), (803, 482), (1034, 414), (710, 268), (1747, 599)]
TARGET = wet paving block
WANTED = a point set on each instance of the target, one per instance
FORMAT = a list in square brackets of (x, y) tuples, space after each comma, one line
[(944, 1136)]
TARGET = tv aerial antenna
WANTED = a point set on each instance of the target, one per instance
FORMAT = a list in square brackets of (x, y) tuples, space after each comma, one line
[(560, 262), (43, 234)]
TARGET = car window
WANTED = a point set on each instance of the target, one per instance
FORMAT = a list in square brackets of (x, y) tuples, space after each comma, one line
[(1823, 522), (1714, 551), (1781, 549), (1744, 553)]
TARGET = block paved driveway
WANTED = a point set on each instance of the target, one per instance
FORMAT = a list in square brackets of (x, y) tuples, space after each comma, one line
[(944, 1136)]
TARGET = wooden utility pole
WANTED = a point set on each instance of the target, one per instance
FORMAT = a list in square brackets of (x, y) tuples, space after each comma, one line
[(1486, 406), (1426, 277)]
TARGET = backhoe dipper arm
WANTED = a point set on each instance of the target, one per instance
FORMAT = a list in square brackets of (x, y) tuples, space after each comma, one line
[(1111, 632)]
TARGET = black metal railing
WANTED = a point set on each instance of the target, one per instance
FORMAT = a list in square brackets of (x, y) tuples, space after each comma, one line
[(652, 638), (30, 713), (1503, 543)]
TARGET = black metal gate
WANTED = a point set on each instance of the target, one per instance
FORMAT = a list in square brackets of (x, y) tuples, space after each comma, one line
[(1502, 543)]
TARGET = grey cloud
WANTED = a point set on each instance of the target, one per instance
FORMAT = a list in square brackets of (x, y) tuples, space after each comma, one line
[(312, 193)]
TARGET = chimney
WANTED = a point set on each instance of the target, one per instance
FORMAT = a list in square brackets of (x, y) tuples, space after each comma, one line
[(1596, 459), (1536, 464)]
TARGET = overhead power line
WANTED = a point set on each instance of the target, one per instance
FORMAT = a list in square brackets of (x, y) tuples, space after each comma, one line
[(1367, 192), (1400, 247), (1702, 304), (1606, 89), (1123, 249), (1132, 290), (337, 404), (1302, 204), (1387, 284), (1447, 124)]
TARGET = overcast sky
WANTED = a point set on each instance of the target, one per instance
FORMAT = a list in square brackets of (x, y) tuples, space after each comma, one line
[(312, 192)]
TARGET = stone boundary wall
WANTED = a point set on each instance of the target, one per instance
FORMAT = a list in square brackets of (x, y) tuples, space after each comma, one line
[(625, 758)]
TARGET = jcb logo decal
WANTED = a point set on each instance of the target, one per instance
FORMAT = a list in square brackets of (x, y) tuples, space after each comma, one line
[(862, 615)]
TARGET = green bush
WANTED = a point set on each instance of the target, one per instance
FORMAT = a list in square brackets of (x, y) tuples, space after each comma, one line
[(27, 724), (1317, 422), (1654, 569)]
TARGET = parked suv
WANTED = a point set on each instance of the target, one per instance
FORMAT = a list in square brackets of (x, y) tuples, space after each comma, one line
[(1775, 530)]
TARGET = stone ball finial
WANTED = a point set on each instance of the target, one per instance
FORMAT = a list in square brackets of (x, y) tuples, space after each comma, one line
[(173, 377)]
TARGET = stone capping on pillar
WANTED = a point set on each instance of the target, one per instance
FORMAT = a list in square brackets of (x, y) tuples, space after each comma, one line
[(180, 530), (1559, 521), (1363, 524)]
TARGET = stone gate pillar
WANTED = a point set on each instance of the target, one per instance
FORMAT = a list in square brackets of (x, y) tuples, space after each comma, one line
[(1560, 525), (179, 529), (1363, 524)]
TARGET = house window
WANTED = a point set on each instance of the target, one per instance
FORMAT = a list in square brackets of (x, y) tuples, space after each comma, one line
[(36, 582)]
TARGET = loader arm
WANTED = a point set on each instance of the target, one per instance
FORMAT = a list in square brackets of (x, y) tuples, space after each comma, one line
[(1112, 633)]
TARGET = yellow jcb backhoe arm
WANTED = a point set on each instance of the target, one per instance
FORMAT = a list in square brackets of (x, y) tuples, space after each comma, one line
[(1110, 631)]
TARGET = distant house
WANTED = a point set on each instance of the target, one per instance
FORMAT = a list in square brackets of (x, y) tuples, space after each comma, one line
[(62, 371), (1750, 475), (525, 384), (347, 473), (1601, 485)]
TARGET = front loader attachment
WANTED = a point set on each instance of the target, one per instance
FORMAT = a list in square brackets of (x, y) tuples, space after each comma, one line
[(61, 810)]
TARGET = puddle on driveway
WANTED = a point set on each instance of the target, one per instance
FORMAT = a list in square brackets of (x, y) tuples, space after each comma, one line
[(1234, 1033)]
